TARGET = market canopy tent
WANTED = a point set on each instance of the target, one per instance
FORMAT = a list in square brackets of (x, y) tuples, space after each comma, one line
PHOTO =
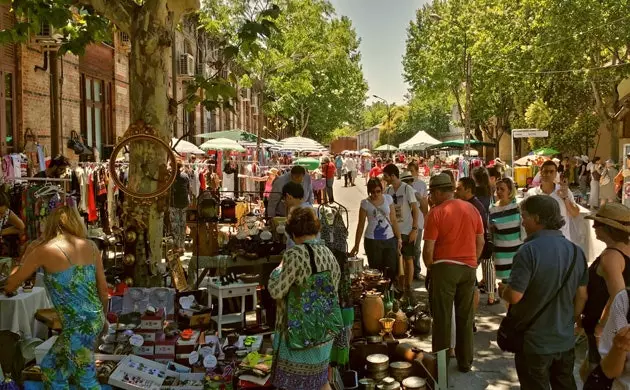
[(460, 144), (235, 135), (420, 141), (299, 144), (222, 144), (386, 148), (185, 147)]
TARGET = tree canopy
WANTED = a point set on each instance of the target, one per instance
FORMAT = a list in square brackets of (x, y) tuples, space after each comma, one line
[(561, 60), (309, 71)]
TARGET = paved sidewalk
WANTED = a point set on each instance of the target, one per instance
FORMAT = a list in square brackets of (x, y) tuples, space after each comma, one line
[(492, 368)]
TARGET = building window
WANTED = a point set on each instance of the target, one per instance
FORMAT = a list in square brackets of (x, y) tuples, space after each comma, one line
[(95, 123), (7, 112)]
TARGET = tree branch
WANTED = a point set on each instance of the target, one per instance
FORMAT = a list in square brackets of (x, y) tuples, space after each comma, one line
[(599, 104), (119, 12), (181, 7)]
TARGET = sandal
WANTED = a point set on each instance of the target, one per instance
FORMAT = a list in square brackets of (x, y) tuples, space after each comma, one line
[(494, 301)]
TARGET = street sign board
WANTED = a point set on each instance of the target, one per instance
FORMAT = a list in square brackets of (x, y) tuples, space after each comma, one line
[(529, 133)]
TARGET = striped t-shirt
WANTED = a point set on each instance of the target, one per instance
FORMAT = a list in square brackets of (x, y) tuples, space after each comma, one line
[(506, 237)]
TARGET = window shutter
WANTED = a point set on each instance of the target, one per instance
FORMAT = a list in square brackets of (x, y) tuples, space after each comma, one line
[(7, 21)]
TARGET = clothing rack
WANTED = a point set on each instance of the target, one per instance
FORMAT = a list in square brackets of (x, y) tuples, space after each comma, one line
[(36, 179)]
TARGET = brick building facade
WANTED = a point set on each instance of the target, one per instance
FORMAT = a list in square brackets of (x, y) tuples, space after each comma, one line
[(94, 93)]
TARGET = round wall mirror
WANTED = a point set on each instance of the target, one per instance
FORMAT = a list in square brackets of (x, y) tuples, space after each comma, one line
[(149, 161)]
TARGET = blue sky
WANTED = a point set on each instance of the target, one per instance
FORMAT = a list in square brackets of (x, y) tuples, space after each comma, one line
[(382, 27)]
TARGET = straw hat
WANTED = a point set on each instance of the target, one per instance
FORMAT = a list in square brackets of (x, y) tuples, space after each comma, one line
[(440, 181), (405, 176), (615, 215)]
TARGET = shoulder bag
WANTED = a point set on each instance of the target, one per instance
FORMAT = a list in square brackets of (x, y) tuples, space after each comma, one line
[(597, 380), (313, 311), (510, 335)]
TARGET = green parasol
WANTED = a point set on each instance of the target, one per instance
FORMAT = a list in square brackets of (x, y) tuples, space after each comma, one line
[(308, 162)]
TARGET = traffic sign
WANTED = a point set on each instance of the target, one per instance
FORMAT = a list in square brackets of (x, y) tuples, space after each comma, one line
[(529, 133)]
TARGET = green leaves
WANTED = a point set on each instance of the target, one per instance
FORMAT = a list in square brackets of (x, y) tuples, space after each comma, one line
[(520, 52)]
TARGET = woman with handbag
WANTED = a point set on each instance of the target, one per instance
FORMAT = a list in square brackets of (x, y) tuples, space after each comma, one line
[(382, 237), (608, 274), (300, 363)]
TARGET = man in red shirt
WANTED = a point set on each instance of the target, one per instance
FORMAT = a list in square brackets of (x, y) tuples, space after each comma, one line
[(328, 172), (377, 170), (453, 241)]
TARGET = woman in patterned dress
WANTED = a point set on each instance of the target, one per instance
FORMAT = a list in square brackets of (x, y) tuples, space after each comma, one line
[(305, 369), (75, 282)]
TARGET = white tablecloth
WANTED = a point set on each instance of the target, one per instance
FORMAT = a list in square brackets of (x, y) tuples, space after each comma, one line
[(17, 313)]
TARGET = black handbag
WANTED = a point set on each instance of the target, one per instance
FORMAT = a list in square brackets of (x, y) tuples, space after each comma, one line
[(597, 380), (511, 336), (74, 143)]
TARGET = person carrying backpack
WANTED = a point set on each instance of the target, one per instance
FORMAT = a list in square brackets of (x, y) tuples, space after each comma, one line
[(305, 286)]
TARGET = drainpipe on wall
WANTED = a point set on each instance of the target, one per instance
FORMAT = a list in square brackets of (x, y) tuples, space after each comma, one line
[(55, 139), (174, 81)]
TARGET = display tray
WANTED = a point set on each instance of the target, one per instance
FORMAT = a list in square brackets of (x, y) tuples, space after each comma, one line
[(134, 372)]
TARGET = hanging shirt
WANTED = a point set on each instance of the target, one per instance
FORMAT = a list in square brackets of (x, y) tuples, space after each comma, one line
[(41, 158), (92, 214)]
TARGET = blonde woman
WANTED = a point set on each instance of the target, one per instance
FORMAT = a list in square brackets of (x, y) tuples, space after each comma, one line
[(75, 282)]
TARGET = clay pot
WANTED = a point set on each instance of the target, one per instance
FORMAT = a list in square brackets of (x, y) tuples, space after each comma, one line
[(406, 352), (423, 323), (372, 311), (414, 383), (400, 370), (400, 324)]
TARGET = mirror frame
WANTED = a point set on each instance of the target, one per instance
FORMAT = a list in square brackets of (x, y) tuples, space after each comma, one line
[(140, 131)]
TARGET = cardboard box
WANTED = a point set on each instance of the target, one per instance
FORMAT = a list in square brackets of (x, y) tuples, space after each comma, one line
[(187, 346), (154, 322), (146, 350), (149, 335), (165, 345)]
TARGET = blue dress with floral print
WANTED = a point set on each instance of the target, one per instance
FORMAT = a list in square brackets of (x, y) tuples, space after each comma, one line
[(75, 298)]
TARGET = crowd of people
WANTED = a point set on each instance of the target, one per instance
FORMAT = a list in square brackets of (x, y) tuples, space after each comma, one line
[(530, 261), (412, 215)]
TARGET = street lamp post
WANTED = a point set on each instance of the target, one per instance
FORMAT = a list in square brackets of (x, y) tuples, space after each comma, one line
[(468, 76), (389, 122)]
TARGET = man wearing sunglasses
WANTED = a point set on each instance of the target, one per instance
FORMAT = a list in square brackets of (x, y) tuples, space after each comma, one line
[(407, 216)]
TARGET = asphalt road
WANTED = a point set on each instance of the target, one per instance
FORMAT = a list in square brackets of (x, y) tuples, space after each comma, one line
[(492, 368)]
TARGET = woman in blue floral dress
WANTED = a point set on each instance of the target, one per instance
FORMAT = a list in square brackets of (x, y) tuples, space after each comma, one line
[(75, 282), (305, 369)]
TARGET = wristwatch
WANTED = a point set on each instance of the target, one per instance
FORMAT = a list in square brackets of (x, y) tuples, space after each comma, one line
[(414, 228)]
